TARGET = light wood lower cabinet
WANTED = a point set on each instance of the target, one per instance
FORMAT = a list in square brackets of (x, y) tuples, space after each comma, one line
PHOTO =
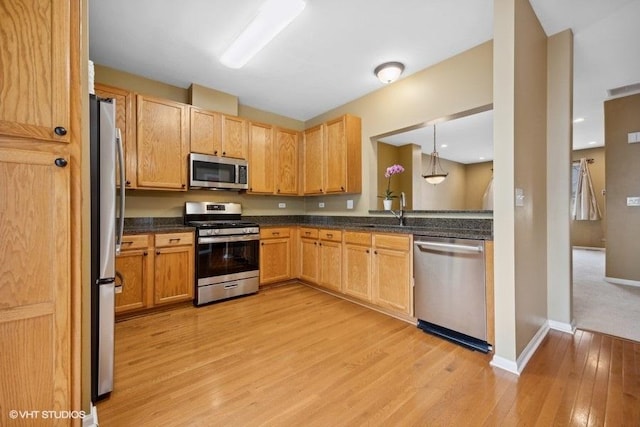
[(275, 255), (309, 251), (330, 269), (393, 272), (156, 270), (357, 264)]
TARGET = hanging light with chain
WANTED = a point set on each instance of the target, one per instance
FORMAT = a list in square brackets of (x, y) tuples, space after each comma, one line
[(435, 174)]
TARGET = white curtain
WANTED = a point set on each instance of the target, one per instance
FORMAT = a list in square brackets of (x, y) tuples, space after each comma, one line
[(487, 198), (585, 206)]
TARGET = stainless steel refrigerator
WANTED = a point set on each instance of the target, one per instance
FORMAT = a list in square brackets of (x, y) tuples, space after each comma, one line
[(106, 234)]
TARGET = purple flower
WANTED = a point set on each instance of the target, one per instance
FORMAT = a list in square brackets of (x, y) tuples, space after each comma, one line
[(391, 170)]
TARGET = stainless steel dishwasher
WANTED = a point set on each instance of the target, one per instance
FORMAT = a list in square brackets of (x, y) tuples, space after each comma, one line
[(450, 299)]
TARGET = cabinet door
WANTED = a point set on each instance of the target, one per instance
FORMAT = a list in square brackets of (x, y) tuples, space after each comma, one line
[(313, 160), (206, 132), (173, 274), (135, 268), (124, 122), (162, 144), (261, 158), (35, 281), (335, 165), (331, 265), (275, 260), (287, 158), (309, 260), (392, 271), (357, 271), (34, 67), (234, 137)]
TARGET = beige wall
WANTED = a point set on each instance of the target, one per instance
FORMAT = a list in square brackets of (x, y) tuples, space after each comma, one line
[(213, 100), (477, 179), (128, 81), (622, 116), (559, 141), (592, 233), (448, 195), (457, 84), (389, 155)]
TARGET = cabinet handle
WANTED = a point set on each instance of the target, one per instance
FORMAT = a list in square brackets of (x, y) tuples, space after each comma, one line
[(215, 153), (60, 131), (157, 252), (127, 242), (367, 250), (320, 244), (275, 233), (184, 185), (315, 243), (250, 188), (224, 153), (127, 183), (261, 243), (329, 235), (341, 188), (278, 191), (145, 253), (307, 233), (60, 162), (375, 252), (174, 239)]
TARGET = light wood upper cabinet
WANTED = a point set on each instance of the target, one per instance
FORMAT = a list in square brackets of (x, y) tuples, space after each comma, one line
[(125, 121), (234, 137), (174, 268), (392, 272), (333, 157), (313, 158), (35, 282), (287, 161), (35, 64), (162, 143), (275, 254), (261, 155), (206, 131)]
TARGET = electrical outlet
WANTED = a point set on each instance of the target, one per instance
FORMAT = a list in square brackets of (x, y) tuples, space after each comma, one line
[(282, 205), (633, 201), (321, 205), (349, 204)]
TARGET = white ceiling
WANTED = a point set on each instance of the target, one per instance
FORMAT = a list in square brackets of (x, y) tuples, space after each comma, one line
[(326, 57)]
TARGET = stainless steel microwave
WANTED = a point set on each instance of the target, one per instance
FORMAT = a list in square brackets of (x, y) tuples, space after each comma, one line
[(214, 172)]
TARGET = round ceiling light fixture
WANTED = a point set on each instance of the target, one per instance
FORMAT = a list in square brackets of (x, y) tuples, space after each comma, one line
[(389, 71)]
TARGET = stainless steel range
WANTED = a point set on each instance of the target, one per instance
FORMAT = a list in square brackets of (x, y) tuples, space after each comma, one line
[(227, 259)]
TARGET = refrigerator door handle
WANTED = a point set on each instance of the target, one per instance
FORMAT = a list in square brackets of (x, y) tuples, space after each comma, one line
[(120, 155)]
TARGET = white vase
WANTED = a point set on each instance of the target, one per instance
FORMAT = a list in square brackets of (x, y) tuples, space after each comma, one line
[(387, 204)]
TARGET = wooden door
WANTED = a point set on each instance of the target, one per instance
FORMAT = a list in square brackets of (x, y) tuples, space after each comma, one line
[(287, 161), (125, 122), (309, 260), (234, 137), (162, 143), (275, 260), (261, 157), (357, 271), (137, 280), (313, 158), (174, 269), (331, 265), (206, 131), (392, 272), (335, 165), (35, 282), (35, 62)]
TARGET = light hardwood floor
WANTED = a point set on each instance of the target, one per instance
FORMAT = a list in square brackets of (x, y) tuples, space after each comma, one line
[(293, 356)]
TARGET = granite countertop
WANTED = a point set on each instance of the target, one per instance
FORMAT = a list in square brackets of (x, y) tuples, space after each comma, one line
[(465, 228), (155, 225)]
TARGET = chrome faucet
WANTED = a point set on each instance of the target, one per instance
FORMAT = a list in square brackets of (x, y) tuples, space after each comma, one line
[(400, 213)]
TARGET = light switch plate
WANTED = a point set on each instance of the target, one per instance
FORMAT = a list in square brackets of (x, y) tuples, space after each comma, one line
[(633, 201), (321, 205), (282, 205), (519, 197), (349, 204)]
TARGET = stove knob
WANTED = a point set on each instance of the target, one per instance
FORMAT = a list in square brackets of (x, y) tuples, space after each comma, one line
[(246, 230), (216, 231)]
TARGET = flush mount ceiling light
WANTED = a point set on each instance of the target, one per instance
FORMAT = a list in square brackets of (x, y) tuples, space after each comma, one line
[(389, 71), (435, 174), (272, 17)]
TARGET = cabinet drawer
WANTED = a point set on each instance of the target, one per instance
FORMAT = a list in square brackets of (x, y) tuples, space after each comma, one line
[(274, 232), (308, 233), (134, 241), (173, 239), (331, 235), (357, 238), (399, 242)]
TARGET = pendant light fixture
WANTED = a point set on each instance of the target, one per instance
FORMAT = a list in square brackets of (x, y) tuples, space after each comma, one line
[(435, 174)]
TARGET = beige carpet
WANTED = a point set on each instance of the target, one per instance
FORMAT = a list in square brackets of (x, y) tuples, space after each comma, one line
[(602, 306)]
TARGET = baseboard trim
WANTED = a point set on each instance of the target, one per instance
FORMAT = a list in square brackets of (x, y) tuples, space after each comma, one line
[(625, 282), (569, 328), (521, 362), (91, 419)]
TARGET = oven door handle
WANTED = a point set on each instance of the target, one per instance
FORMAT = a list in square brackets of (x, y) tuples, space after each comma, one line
[(225, 239)]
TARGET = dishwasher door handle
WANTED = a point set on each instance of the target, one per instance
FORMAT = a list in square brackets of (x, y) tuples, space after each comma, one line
[(448, 246)]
